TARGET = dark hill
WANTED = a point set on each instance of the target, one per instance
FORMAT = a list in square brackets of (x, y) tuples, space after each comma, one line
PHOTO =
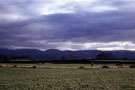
[(54, 54)]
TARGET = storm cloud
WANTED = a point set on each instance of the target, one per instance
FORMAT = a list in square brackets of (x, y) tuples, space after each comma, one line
[(68, 24)]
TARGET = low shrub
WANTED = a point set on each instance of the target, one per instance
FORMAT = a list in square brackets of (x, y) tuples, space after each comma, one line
[(81, 67), (132, 66), (15, 66), (34, 67), (105, 66), (118, 64)]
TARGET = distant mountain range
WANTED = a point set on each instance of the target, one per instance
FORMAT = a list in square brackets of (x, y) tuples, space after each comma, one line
[(54, 54)]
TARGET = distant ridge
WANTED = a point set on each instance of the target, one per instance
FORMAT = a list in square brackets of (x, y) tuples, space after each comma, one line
[(55, 54)]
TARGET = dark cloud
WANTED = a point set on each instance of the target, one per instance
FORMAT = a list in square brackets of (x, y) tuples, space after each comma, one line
[(49, 31)]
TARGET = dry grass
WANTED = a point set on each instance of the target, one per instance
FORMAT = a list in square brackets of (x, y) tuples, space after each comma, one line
[(64, 66), (67, 79)]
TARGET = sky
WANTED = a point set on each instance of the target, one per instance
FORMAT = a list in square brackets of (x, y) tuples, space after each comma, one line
[(67, 24)]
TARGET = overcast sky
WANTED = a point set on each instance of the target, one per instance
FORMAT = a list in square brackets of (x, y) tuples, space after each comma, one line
[(67, 24)]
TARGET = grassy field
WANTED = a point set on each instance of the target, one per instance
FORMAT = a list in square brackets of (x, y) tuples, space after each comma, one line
[(66, 77)]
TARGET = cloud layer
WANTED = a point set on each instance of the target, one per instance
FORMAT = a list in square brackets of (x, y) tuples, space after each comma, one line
[(68, 24)]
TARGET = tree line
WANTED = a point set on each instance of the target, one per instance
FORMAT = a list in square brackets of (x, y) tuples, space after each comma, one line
[(100, 56)]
